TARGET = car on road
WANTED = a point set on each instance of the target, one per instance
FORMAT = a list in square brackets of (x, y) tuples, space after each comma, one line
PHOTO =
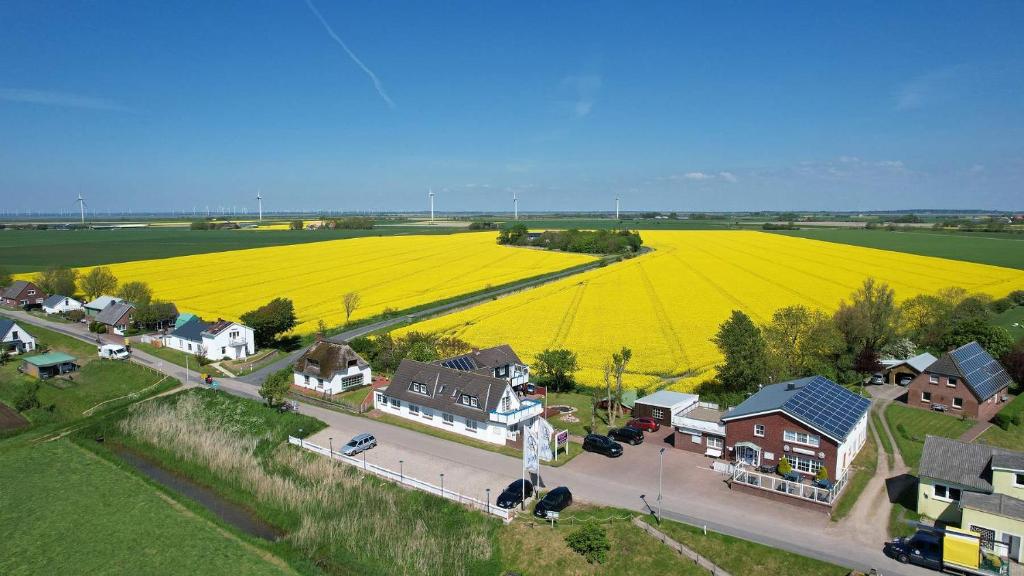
[(359, 444), (644, 423), (555, 501), (923, 549), (626, 434), (113, 352), (513, 495), (602, 445)]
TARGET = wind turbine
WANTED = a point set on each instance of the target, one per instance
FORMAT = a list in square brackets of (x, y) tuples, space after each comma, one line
[(431, 194), (515, 205), (81, 206), (259, 199), (616, 207)]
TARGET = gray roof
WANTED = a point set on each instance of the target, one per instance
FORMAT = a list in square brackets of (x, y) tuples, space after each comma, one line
[(704, 414), (111, 314), (15, 288), (999, 504), (815, 401), (971, 363), (918, 363), (444, 387), (54, 300), (5, 326), (956, 462), (102, 302), (1007, 460), (191, 330), (667, 399), (325, 358), (501, 355)]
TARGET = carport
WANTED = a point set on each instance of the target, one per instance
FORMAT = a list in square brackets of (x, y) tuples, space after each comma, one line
[(48, 365)]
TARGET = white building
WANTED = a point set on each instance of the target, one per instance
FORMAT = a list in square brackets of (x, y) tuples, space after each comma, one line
[(58, 304), (14, 339), (467, 403), (331, 368), (220, 340), (500, 362)]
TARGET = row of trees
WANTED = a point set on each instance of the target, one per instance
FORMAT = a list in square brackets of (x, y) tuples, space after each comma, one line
[(584, 241), (849, 343)]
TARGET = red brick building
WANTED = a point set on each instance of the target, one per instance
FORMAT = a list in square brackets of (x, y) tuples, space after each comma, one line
[(964, 382), (22, 293)]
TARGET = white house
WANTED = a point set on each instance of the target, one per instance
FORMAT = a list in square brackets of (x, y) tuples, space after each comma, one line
[(14, 339), (220, 340), (58, 304), (331, 368), (467, 403), (94, 307), (500, 362)]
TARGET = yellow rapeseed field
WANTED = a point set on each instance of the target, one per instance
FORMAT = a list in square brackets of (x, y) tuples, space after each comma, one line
[(667, 305), (396, 272)]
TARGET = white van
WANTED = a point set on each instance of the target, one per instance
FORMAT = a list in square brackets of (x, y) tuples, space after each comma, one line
[(114, 352)]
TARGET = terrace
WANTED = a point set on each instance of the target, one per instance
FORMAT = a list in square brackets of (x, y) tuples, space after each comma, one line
[(799, 489), (527, 409)]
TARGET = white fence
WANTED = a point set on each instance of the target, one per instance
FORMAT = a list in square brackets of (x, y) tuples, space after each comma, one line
[(775, 483), (407, 481)]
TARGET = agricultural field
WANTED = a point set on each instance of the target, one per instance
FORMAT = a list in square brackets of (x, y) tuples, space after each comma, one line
[(666, 305), (32, 250), (984, 248), (397, 272)]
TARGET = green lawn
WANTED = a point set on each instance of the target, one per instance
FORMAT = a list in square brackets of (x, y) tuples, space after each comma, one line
[(1007, 320), (254, 362), (178, 357), (65, 511), (864, 467), (911, 425), (999, 250), (876, 421), (1013, 437), (61, 342), (33, 250), (741, 557), (583, 403)]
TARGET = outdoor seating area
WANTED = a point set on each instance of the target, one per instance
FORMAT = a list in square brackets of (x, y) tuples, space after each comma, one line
[(792, 484)]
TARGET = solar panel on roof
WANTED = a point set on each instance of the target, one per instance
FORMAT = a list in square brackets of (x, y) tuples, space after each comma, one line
[(462, 363), (983, 373), (827, 406)]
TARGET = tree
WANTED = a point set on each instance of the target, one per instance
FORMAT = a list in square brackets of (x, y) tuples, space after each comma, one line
[(620, 360), (155, 314), (295, 225), (351, 301), (996, 340), (783, 338), (1013, 362), (275, 387), (57, 280), (555, 367), (514, 234), (784, 466), (746, 357), (136, 292), (270, 320), (5, 277), (590, 541), (868, 322), (97, 282), (28, 397), (608, 369)]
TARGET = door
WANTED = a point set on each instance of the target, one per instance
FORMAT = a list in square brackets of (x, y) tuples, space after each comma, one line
[(1013, 545), (749, 455)]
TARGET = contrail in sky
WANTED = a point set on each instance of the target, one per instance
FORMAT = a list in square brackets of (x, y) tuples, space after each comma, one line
[(376, 81)]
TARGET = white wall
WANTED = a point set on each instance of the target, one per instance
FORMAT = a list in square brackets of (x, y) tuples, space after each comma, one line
[(219, 347), (851, 447), (487, 431), (65, 305), (332, 386), (25, 337)]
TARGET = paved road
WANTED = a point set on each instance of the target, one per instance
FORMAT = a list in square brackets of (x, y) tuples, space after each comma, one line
[(692, 493)]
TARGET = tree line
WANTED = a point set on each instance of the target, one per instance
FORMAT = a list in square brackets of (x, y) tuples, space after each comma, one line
[(584, 241)]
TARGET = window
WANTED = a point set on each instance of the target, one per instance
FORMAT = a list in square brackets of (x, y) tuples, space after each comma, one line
[(657, 413), (501, 371), (506, 404), (14, 335), (320, 382), (695, 438), (419, 388), (190, 347), (396, 403), (31, 292), (759, 430), (306, 380), (471, 425), (382, 399), (428, 414), (414, 409), (933, 379), (958, 403), (233, 334), (469, 400), (351, 381), (448, 419), (805, 465), (223, 349), (946, 493), (1018, 479), (926, 396), (716, 442), (951, 382), (802, 438)]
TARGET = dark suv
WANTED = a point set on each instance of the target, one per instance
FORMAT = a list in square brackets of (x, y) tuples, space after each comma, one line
[(626, 434), (513, 495), (555, 501), (923, 549), (602, 445)]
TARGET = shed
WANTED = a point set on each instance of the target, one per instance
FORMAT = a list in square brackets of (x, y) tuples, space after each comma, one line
[(663, 405), (48, 365)]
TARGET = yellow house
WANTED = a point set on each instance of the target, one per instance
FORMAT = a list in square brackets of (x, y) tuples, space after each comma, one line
[(977, 488)]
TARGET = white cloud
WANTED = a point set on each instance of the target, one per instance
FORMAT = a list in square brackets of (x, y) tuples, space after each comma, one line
[(58, 99), (698, 176), (894, 164), (727, 176)]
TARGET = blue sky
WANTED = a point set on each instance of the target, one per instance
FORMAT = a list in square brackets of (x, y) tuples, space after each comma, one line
[(672, 106)]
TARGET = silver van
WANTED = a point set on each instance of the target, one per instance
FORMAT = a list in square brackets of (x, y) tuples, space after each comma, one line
[(358, 444)]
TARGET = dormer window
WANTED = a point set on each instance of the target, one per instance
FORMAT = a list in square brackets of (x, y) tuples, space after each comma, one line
[(310, 363), (501, 371), (468, 400), (419, 388), (352, 363)]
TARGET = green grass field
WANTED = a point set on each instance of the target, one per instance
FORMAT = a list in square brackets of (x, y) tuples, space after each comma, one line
[(611, 223), (911, 425), (1011, 438), (65, 511), (32, 250), (179, 358), (1007, 250), (1007, 320)]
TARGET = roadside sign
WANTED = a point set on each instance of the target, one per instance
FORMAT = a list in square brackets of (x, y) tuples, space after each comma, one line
[(561, 438), (551, 515)]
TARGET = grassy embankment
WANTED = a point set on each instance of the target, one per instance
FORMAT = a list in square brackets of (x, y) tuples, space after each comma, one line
[(178, 358), (861, 472)]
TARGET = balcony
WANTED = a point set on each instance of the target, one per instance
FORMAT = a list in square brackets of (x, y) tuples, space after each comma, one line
[(527, 409), (237, 342)]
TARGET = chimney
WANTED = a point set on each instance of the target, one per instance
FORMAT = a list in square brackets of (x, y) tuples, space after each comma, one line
[(791, 386), (476, 351)]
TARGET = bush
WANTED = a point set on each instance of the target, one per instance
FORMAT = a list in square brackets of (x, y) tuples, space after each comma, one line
[(1017, 296), (295, 225), (822, 474), (1018, 419), (28, 398), (590, 541), (75, 315), (199, 225), (97, 327), (1001, 305), (1003, 420), (903, 431), (784, 466)]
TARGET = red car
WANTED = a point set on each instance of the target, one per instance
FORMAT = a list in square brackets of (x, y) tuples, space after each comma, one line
[(644, 423)]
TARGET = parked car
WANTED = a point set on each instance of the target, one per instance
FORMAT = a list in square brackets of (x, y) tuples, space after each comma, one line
[(358, 444), (602, 445), (530, 388), (626, 434), (877, 378), (905, 380), (923, 549), (513, 495), (555, 501), (113, 352), (644, 423)]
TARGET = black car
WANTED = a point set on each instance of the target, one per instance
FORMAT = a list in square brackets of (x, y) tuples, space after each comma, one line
[(555, 501), (923, 549), (602, 445), (626, 434), (513, 495)]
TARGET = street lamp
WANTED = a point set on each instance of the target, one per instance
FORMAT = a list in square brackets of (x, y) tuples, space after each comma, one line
[(364, 459), (401, 471), (488, 500), (330, 442), (661, 465), (442, 484), (301, 445)]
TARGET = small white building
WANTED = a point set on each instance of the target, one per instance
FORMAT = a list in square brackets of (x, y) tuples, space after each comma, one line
[(331, 368), (467, 403), (220, 340), (14, 339), (500, 362), (58, 304)]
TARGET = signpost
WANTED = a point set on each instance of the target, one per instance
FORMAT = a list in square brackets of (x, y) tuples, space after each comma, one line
[(561, 441)]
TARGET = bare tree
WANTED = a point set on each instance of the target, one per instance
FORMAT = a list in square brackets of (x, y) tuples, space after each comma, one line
[(619, 362), (608, 369), (352, 301)]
